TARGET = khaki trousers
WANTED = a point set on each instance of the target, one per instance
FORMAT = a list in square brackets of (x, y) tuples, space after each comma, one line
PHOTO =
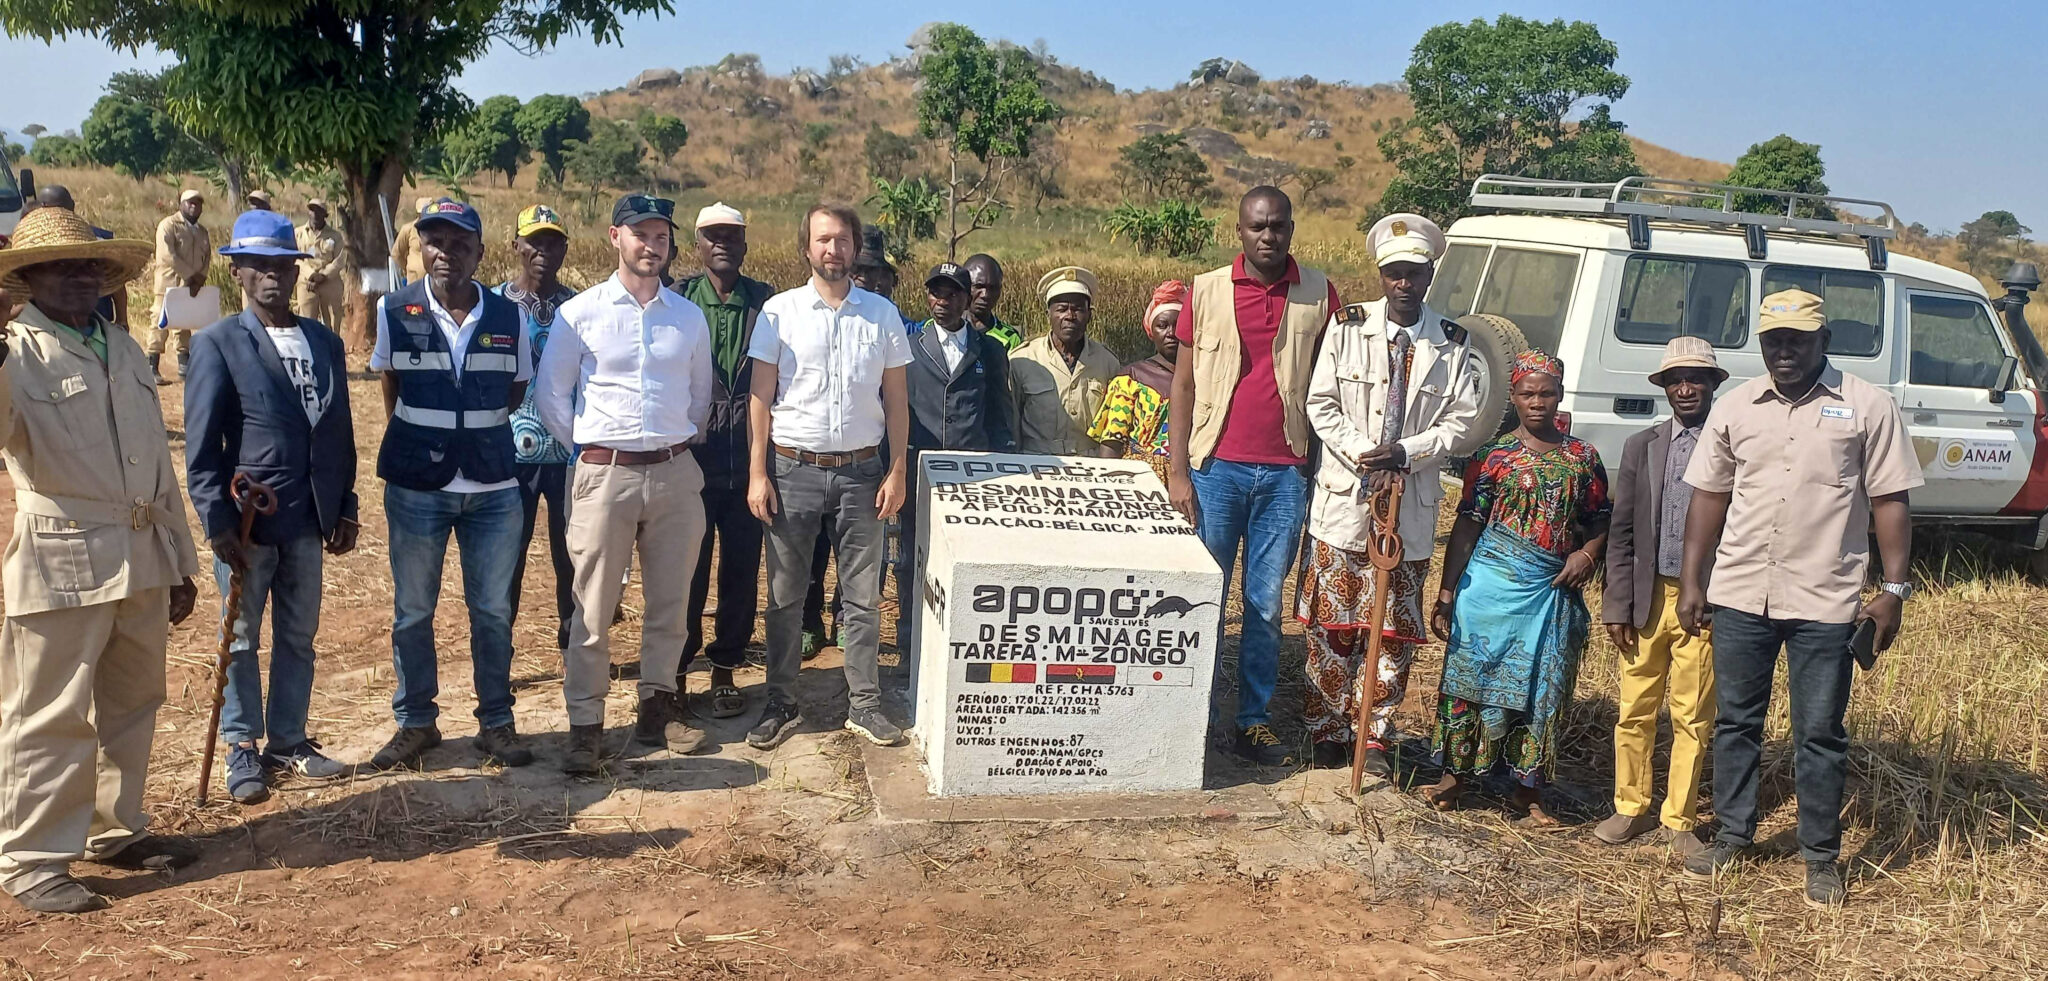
[(660, 508), (1667, 664), (323, 303), (79, 690), (180, 340)]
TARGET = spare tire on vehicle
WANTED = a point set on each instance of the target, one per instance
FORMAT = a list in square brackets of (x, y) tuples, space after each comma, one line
[(1495, 343)]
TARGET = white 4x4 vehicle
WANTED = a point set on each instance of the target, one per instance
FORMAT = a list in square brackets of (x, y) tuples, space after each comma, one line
[(1602, 275), (10, 199)]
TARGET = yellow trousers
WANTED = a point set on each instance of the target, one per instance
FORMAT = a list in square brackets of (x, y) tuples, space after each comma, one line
[(1666, 663)]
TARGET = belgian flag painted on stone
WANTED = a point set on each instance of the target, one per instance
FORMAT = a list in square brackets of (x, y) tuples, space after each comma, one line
[(987, 673), (1081, 674)]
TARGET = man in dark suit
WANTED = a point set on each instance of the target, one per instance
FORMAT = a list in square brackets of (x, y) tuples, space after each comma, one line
[(1659, 660), (267, 395), (959, 381)]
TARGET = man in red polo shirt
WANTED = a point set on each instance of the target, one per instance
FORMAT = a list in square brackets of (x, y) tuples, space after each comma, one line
[(1239, 433)]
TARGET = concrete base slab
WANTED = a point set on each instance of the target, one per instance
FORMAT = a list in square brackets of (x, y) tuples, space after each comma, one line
[(900, 795)]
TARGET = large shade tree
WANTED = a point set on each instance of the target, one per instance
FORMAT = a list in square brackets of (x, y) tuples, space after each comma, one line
[(355, 85)]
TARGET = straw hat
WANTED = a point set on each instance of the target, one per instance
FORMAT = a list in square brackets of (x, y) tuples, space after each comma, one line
[(57, 234)]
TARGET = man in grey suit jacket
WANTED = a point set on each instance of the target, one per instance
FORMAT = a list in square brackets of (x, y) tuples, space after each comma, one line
[(1659, 660)]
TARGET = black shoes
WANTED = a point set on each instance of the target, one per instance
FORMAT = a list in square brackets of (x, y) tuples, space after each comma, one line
[(586, 751), (779, 718), (502, 745), (1259, 745), (873, 726), (1332, 756), (153, 853), (406, 747), (1709, 861), (1824, 885), (661, 726), (62, 894)]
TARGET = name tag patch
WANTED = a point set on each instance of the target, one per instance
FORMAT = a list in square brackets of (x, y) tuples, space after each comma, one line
[(1837, 412), (72, 385)]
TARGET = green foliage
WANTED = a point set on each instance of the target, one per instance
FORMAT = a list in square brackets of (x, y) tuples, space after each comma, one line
[(16, 151), (815, 134), (663, 133), (59, 150), (548, 124), (489, 140), (1165, 165), (609, 158), (1982, 240), (1497, 98), (1177, 228), (451, 172), (984, 103), (1781, 163), (1311, 180), (1209, 71), (888, 154), (909, 209), (128, 136)]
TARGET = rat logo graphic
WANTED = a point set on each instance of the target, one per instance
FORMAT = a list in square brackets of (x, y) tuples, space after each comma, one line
[(1175, 605)]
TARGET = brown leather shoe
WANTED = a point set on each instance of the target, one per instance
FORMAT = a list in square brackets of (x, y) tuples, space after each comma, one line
[(661, 726), (586, 751)]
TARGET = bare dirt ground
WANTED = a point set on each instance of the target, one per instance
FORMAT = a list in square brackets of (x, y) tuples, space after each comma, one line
[(778, 865)]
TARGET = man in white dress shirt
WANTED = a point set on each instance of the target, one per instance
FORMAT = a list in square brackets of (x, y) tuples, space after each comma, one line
[(628, 378), (828, 388)]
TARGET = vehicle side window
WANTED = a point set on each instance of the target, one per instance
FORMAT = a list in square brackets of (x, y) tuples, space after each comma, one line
[(1853, 302), (1663, 297), (1457, 279), (1954, 343), (1533, 289)]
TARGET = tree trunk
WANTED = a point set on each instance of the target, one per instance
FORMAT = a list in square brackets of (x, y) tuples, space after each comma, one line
[(953, 206), (367, 239)]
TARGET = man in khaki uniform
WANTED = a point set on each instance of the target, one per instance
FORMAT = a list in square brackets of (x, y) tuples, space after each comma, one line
[(184, 250), (320, 294), (100, 562), (1058, 380), (405, 248)]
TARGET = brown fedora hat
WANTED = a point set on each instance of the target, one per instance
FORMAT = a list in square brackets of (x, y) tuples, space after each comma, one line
[(57, 234)]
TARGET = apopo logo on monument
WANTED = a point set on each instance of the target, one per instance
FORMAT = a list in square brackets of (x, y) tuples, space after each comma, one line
[(1065, 470)]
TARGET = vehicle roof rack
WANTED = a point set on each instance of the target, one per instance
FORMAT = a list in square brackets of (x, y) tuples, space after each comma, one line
[(1643, 199)]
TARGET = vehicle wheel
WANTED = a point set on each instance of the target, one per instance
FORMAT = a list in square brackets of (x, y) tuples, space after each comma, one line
[(1495, 343), (2037, 563)]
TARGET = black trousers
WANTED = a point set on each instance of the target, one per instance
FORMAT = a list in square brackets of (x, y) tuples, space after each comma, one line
[(1817, 669), (549, 481), (738, 534)]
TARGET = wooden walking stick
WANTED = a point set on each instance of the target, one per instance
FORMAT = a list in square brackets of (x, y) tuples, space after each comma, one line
[(254, 498), (1384, 551)]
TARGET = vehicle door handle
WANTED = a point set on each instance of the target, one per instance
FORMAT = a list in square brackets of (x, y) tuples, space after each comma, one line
[(2007, 423), (1924, 418)]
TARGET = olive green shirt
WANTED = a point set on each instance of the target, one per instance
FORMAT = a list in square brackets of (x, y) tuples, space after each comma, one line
[(727, 318)]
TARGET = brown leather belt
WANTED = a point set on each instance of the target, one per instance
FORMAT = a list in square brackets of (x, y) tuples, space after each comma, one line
[(830, 459), (632, 458)]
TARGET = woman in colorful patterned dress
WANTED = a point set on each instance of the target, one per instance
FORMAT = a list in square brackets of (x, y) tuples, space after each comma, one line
[(1533, 517), (1132, 421)]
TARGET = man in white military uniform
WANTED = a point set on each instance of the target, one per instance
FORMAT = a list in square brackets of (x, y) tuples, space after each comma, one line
[(100, 565), (1394, 388)]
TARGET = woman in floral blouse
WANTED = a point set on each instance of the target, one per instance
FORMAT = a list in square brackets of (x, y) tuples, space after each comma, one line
[(1132, 421), (1533, 517)]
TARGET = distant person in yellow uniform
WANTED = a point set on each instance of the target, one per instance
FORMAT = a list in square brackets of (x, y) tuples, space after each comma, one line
[(320, 294), (184, 251), (405, 249)]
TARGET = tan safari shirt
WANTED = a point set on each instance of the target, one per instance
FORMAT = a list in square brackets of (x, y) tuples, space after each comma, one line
[(405, 251), (1797, 542), (183, 249), (1056, 404), (100, 513), (324, 245)]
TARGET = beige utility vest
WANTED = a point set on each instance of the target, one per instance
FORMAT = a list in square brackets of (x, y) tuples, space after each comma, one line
[(1219, 356)]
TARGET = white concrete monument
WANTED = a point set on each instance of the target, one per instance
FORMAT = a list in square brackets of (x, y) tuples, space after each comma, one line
[(1066, 632)]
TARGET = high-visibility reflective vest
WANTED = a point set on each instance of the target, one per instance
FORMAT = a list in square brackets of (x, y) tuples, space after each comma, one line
[(443, 426)]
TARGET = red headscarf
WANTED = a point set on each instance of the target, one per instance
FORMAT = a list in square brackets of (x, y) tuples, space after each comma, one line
[(1534, 362), (1170, 294)]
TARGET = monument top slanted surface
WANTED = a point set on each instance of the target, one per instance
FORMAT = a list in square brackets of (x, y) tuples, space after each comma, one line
[(1066, 631)]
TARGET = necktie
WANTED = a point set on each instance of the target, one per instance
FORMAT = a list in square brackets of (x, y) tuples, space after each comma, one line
[(1400, 348)]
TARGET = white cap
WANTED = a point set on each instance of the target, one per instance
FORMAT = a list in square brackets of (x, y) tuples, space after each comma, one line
[(190, 196), (1405, 237), (720, 214)]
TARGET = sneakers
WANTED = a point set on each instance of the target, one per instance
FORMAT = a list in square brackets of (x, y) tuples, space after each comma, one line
[(779, 718), (247, 783), (873, 726), (502, 745), (814, 643), (1709, 861), (305, 761), (62, 894), (661, 726), (405, 747), (1259, 745), (1824, 885), (586, 751), (1620, 829)]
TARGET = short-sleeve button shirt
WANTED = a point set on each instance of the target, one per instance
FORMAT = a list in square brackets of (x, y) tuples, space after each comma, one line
[(829, 367), (1801, 475)]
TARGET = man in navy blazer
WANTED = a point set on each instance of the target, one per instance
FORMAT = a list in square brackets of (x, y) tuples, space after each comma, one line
[(267, 395)]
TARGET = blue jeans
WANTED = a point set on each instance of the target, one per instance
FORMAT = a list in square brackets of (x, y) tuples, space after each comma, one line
[(1261, 505), (288, 577), (1817, 668), (486, 528)]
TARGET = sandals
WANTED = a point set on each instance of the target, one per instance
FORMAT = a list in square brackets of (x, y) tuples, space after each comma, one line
[(727, 702)]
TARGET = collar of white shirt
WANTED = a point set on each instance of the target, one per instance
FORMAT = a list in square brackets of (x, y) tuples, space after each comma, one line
[(615, 292)]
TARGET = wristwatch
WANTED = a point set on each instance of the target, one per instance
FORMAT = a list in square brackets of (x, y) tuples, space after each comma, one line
[(1902, 590)]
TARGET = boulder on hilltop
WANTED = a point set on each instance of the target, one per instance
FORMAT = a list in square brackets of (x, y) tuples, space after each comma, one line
[(655, 78), (1213, 143)]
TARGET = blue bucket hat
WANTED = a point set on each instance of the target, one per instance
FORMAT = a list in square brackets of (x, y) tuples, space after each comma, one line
[(454, 213), (263, 233)]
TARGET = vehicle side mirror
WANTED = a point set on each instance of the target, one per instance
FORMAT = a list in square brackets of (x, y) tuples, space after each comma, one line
[(2008, 377)]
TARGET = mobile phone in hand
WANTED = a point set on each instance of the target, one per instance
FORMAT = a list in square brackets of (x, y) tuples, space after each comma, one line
[(1863, 644)]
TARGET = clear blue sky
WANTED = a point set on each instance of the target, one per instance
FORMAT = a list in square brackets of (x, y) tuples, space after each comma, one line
[(1933, 107)]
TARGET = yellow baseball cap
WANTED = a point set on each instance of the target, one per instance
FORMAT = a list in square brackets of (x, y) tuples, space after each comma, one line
[(540, 218), (1791, 310)]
